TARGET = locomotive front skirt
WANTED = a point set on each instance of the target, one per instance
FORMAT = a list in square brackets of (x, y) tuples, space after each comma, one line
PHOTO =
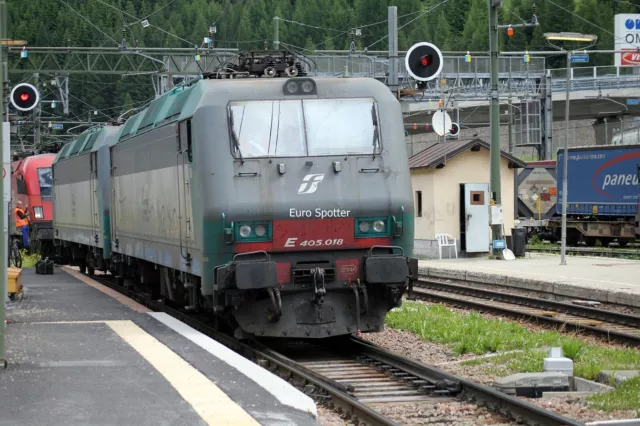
[(281, 206)]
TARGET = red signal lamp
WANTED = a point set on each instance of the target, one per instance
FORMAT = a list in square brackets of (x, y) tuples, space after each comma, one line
[(423, 62), (510, 32), (24, 97)]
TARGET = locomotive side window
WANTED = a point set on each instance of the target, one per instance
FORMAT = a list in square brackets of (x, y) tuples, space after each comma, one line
[(46, 181), (304, 127), (185, 139), (189, 150), (21, 186)]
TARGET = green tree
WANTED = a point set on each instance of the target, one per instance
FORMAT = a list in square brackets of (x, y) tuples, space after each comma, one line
[(475, 35)]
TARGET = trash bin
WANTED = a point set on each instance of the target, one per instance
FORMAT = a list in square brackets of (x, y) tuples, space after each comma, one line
[(519, 241)]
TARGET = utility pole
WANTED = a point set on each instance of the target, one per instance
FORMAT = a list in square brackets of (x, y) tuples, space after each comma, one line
[(276, 33), (494, 112), (563, 234), (3, 244), (510, 111), (496, 195), (572, 37), (37, 113), (393, 49)]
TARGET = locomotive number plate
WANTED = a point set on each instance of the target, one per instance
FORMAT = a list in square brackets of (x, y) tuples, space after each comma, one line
[(330, 242)]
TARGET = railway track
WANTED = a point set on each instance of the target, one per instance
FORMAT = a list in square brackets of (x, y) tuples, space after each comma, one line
[(587, 251), (354, 375), (604, 323)]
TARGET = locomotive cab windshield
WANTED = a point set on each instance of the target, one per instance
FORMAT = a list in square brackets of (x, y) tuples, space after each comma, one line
[(306, 127), (46, 181)]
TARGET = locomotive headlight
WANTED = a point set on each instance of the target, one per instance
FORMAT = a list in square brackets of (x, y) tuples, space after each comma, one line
[(300, 86), (379, 226), (372, 227), (253, 232), (245, 231), (260, 230), (291, 87), (307, 86), (38, 213)]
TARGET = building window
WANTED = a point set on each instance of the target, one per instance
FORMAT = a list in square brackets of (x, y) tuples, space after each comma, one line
[(419, 202)]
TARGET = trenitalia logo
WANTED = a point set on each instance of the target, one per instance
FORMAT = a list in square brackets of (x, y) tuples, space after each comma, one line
[(310, 183)]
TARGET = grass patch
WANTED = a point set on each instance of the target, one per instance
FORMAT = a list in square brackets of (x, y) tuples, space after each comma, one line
[(29, 260), (471, 333), (467, 333), (625, 397)]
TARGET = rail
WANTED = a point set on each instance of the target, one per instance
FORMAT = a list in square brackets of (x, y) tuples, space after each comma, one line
[(403, 370)]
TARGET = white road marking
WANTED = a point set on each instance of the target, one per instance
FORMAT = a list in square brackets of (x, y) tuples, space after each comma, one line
[(280, 389)]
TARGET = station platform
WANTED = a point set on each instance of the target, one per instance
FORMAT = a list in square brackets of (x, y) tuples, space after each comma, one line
[(80, 353), (586, 278)]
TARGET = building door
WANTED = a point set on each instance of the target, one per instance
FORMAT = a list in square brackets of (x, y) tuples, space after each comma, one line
[(475, 222)]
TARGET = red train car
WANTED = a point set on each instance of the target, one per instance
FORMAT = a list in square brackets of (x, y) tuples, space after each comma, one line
[(32, 184)]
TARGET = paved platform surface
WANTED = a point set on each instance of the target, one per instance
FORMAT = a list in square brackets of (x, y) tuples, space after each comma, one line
[(591, 278), (77, 356)]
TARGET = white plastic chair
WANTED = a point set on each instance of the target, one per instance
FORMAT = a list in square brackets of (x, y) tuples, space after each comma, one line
[(444, 241)]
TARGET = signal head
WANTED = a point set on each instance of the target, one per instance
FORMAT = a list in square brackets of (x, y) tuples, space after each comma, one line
[(24, 97), (455, 129), (423, 61)]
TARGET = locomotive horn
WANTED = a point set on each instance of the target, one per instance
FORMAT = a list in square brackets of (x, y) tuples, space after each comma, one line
[(291, 71)]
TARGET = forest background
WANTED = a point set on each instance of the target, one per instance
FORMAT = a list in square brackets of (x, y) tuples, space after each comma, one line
[(307, 25)]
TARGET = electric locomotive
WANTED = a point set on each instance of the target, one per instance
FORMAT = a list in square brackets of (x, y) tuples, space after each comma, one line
[(282, 206), (31, 183)]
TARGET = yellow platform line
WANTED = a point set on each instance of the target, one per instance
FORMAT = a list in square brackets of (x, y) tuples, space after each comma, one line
[(208, 400)]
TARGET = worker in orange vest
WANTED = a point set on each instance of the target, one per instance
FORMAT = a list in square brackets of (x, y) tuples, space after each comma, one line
[(22, 223)]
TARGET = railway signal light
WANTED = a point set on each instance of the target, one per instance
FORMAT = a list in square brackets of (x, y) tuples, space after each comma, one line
[(423, 61), (455, 129), (24, 97), (510, 31)]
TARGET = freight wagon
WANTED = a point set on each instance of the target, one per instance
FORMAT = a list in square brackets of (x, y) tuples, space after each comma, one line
[(603, 194)]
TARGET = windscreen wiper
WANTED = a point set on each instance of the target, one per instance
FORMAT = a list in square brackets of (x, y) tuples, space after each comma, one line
[(376, 137), (234, 137)]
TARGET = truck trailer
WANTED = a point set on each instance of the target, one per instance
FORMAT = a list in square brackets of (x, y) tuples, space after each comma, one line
[(602, 194)]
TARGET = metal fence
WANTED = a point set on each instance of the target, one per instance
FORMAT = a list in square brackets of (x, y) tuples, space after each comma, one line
[(595, 78), (454, 66)]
